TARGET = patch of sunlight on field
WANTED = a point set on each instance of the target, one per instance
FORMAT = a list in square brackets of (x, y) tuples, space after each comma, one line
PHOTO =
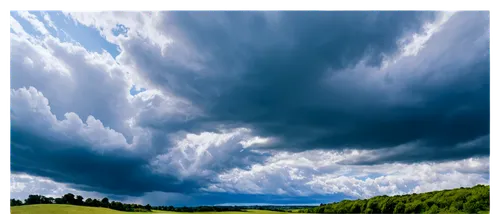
[(61, 209)]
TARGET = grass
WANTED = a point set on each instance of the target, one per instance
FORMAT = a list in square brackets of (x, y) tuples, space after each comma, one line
[(61, 209), (65, 209)]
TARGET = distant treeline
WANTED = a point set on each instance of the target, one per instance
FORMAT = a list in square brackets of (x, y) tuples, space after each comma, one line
[(277, 208), (226, 208), (462, 200), (78, 200), (198, 209)]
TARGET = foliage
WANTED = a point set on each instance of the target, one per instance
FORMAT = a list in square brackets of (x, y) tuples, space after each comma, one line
[(462, 200)]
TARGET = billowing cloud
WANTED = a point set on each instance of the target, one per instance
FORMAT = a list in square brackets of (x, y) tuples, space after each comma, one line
[(250, 107), (308, 78), (322, 172)]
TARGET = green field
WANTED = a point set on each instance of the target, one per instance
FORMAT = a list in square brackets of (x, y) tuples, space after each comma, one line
[(61, 209), (67, 209)]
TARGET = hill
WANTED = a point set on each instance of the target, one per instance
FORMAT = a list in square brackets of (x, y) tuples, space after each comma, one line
[(61, 209), (462, 200)]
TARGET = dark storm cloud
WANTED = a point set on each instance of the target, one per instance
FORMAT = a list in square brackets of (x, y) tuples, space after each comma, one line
[(115, 173), (295, 76), (410, 153)]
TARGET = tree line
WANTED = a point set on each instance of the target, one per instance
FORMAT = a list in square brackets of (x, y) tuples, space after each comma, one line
[(462, 200), (78, 200), (199, 209), (226, 208)]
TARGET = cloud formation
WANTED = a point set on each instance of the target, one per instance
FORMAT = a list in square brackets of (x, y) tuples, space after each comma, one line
[(249, 107)]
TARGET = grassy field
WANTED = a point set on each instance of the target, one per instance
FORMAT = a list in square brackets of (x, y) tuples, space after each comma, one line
[(66, 209), (60, 209)]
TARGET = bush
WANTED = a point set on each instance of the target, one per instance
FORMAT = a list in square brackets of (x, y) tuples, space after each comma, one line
[(471, 207), (433, 210)]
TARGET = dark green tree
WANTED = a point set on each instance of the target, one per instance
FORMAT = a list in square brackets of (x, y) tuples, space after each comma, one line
[(15, 202), (96, 203), (88, 202), (400, 208), (69, 198), (33, 199), (59, 201), (79, 200), (105, 202), (433, 210)]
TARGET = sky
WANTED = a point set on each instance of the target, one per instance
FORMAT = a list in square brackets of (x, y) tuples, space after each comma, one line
[(206, 108)]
